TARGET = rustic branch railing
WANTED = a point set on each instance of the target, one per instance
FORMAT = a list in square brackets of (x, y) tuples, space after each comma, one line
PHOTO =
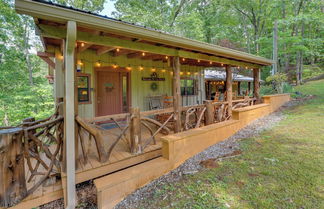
[(36, 144)]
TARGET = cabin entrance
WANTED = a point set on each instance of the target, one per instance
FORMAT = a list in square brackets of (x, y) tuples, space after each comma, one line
[(112, 92)]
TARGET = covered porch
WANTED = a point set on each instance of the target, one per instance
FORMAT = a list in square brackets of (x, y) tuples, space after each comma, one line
[(119, 89)]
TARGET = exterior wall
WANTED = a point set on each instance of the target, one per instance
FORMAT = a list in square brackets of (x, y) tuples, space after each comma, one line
[(140, 90), (176, 149)]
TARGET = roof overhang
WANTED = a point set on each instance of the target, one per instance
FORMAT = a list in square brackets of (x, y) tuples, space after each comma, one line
[(62, 15)]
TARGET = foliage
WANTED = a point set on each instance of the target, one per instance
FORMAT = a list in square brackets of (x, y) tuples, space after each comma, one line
[(277, 81), (246, 24), (280, 168), (89, 5), (20, 96)]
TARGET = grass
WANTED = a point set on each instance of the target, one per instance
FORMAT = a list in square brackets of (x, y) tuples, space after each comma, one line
[(281, 168)]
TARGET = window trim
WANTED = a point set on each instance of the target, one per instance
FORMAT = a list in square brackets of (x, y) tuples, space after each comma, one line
[(88, 75), (195, 86)]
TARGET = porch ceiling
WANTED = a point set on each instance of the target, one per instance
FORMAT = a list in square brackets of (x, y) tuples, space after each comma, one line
[(97, 31)]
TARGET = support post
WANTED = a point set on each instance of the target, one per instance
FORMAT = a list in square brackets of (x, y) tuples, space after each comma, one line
[(229, 94), (239, 88), (135, 131), (69, 123), (209, 114), (12, 171), (58, 77), (256, 83), (249, 88), (176, 94)]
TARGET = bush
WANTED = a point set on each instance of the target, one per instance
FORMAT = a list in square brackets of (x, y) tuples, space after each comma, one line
[(278, 80)]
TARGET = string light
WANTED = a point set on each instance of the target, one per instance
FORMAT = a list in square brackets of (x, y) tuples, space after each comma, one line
[(141, 68), (80, 63), (166, 57), (98, 63), (181, 73), (143, 54), (183, 59), (210, 62), (196, 73), (153, 69), (82, 44), (188, 73), (222, 64), (163, 70), (129, 68), (198, 60), (60, 57), (115, 66), (117, 49), (246, 67)]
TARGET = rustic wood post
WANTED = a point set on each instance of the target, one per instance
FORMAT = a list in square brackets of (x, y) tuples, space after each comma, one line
[(209, 114), (12, 167), (256, 84), (229, 94), (135, 131), (176, 94)]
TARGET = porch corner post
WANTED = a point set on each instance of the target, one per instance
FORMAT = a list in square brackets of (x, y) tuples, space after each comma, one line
[(229, 94), (69, 123), (176, 94), (256, 83)]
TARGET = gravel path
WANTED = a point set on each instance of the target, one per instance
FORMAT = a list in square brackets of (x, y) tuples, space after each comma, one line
[(192, 165)]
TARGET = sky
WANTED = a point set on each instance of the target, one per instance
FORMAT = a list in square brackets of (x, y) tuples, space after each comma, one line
[(109, 8)]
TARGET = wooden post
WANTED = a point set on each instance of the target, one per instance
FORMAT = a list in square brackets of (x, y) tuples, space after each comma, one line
[(239, 88), (256, 84), (58, 77), (229, 95), (209, 114), (135, 131), (176, 94), (12, 167), (249, 88), (69, 119)]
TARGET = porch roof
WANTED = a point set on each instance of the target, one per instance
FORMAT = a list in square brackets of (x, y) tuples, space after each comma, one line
[(172, 45), (218, 75)]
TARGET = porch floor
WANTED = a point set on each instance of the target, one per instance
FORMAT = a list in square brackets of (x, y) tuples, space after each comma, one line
[(120, 159)]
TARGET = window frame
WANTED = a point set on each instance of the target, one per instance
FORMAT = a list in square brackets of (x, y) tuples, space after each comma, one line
[(88, 75), (195, 86)]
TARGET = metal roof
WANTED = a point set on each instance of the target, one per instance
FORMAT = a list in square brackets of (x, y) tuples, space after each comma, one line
[(217, 75)]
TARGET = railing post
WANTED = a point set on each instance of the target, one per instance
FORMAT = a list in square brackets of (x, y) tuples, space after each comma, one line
[(176, 94), (12, 167), (229, 91), (209, 114), (135, 131)]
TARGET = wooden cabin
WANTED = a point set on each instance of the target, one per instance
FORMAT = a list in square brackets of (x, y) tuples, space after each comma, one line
[(126, 98)]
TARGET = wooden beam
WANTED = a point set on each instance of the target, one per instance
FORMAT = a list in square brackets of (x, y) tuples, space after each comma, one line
[(69, 119), (120, 52), (229, 91), (176, 94), (55, 32), (133, 55), (45, 54), (48, 61), (104, 49), (256, 83), (83, 46)]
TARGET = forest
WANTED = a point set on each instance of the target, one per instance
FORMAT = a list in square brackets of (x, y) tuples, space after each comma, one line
[(246, 25)]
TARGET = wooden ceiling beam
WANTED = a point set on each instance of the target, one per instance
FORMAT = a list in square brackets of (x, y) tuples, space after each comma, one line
[(46, 57), (120, 52), (83, 46), (134, 55), (105, 49), (57, 32)]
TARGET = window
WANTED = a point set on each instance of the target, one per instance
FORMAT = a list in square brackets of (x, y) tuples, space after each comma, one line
[(83, 83), (188, 86)]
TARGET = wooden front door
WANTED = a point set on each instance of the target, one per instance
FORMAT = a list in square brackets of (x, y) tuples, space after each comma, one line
[(112, 92)]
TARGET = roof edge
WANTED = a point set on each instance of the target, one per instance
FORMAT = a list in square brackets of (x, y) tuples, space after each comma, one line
[(63, 14)]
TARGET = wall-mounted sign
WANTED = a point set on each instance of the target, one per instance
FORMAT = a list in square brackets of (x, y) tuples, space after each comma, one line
[(154, 77)]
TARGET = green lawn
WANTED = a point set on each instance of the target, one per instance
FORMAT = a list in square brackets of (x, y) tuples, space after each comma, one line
[(281, 168)]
